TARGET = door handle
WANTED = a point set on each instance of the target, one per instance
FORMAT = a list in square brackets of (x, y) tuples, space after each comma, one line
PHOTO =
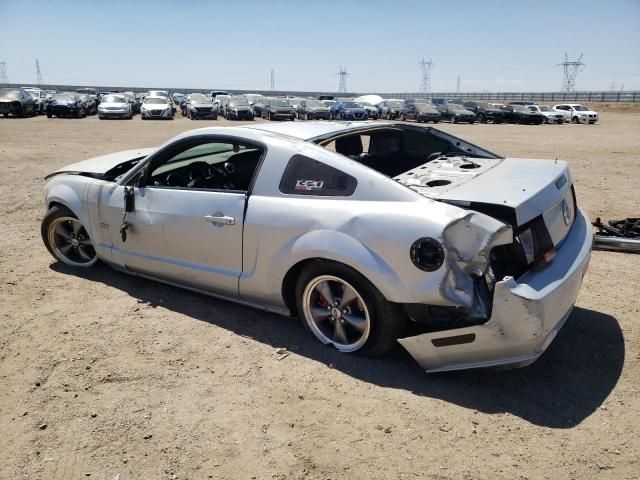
[(221, 219)]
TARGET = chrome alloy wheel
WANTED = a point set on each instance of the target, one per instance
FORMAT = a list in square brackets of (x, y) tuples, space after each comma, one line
[(336, 313), (70, 242)]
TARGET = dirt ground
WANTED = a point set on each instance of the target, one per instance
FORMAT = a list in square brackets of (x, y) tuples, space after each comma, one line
[(103, 374)]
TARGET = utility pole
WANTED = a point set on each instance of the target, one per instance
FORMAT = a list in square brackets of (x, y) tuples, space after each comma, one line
[(570, 72), (273, 80), (342, 84), (38, 73), (425, 83), (3, 72), (458, 85)]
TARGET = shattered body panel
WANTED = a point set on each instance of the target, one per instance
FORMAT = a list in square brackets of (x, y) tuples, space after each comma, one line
[(509, 320)]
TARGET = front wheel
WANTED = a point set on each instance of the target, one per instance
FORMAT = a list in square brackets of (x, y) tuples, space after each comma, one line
[(343, 309), (67, 239), (480, 118)]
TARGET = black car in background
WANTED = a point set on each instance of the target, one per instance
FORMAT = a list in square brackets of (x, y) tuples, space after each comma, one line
[(420, 112), (89, 104), (17, 102), (522, 114), (66, 105), (199, 105), (93, 92), (390, 109), (312, 110), (277, 109), (238, 108), (485, 112), (456, 113)]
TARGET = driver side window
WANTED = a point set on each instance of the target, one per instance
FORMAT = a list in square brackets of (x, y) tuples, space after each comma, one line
[(219, 165)]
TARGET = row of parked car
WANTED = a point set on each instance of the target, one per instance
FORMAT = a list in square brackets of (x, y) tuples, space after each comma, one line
[(160, 104)]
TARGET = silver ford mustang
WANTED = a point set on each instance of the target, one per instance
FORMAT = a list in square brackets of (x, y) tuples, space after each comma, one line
[(361, 230)]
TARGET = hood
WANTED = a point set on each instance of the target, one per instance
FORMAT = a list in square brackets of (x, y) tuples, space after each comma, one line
[(240, 108), (114, 105), (201, 104), (281, 109), (318, 109), (98, 166), (10, 100)]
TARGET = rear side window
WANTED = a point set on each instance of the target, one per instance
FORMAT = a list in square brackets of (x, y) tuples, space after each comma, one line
[(305, 176)]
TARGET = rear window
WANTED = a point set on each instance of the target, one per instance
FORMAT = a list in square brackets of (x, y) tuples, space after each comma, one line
[(305, 176)]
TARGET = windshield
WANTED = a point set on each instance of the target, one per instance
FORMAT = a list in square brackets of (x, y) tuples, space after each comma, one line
[(279, 103), (329, 103), (238, 102), (158, 93), (485, 105), (5, 93), (394, 104), (62, 96), (155, 100), (580, 108), (425, 107), (315, 104), (88, 91), (114, 99), (350, 105), (455, 106), (544, 108), (520, 108)]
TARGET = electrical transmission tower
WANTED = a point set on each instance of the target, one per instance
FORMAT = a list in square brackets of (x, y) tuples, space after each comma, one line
[(458, 85), (570, 73), (38, 73), (342, 84), (273, 80), (3, 72), (425, 83)]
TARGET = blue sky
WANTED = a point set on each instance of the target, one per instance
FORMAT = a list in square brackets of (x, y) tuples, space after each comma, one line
[(492, 45)]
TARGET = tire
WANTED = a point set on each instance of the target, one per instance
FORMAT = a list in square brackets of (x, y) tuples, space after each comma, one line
[(49, 115), (575, 120), (270, 117), (480, 118), (452, 119), (380, 322), (403, 117), (67, 239), (306, 116), (78, 114)]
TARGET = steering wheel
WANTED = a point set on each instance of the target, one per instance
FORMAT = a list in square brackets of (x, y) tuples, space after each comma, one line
[(198, 170)]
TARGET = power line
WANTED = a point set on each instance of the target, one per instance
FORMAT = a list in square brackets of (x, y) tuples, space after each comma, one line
[(342, 84), (39, 80), (3, 72), (570, 72), (425, 83)]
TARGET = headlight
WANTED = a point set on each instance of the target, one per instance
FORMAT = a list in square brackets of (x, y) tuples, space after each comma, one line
[(427, 254)]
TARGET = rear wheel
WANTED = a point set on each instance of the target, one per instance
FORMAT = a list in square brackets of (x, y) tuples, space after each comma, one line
[(67, 239), (576, 120), (480, 118), (342, 308)]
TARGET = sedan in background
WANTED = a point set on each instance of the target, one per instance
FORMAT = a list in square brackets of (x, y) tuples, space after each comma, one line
[(93, 92), (420, 112), (114, 106), (521, 114), (312, 110), (238, 108), (40, 97), (390, 109), (551, 115), (16, 102), (90, 105), (456, 113), (66, 104), (579, 113), (159, 108), (485, 112), (200, 106), (348, 110), (278, 109)]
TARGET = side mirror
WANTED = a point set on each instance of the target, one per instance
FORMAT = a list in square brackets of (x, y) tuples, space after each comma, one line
[(129, 199)]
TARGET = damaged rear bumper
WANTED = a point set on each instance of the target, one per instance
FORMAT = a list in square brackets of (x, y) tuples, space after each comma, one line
[(526, 314)]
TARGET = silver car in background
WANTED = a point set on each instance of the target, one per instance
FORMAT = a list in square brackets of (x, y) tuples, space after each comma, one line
[(357, 229), (114, 106), (156, 108)]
